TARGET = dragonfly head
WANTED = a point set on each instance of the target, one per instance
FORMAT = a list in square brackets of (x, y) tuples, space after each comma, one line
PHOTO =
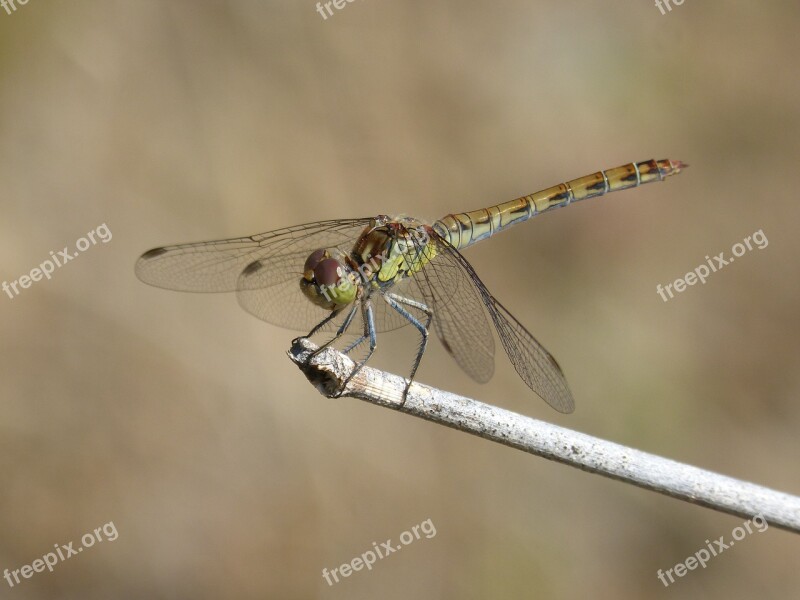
[(328, 279)]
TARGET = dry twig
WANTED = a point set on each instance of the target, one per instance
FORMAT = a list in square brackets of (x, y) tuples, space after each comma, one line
[(329, 370)]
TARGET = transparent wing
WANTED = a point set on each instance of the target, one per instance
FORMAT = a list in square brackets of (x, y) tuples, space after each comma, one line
[(215, 266), (458, 312), (533, 362), (537, 367), (263, 269)]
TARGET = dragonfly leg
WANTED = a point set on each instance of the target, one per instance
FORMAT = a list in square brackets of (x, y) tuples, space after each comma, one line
[(366, 332), (324, 322), (345, 325), (395, 301), (368, 317)]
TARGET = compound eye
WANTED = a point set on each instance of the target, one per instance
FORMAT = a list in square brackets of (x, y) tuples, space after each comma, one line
[(311, 263), (328, 272)]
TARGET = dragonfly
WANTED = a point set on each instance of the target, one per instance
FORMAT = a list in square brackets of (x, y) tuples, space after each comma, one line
[(351, 279)]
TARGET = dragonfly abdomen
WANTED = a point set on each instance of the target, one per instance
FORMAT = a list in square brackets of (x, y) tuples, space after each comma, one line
[(465, 229)]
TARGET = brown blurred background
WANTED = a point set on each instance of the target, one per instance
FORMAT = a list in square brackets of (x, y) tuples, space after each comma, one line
[(179, 418)]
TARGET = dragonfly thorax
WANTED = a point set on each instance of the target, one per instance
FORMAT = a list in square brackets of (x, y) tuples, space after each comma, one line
[(390, 249)]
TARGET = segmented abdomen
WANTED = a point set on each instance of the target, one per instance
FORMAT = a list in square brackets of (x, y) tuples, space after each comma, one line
[(465, 229)]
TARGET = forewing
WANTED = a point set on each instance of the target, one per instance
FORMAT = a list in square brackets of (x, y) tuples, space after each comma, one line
[(215, 266)]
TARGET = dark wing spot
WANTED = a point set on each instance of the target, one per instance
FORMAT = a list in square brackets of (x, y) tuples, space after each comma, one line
[(252, 268), (554, 362), (153, 253)]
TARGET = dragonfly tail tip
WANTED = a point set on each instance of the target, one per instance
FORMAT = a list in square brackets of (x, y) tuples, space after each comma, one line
[(678, 165)]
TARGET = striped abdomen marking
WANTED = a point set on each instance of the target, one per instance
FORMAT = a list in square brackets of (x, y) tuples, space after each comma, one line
[(465, 229)]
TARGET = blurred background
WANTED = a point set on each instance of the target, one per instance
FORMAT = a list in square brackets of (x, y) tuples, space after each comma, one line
[(179, 417)]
